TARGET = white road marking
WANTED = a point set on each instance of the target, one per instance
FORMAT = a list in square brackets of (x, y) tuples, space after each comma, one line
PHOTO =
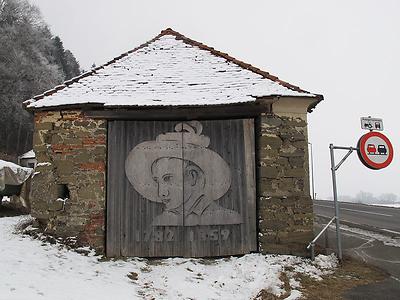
[(395, 278), (360, 204), (365, 238), (361, 211), (381, 259), (367, 212), (391, 231), (368, 244)]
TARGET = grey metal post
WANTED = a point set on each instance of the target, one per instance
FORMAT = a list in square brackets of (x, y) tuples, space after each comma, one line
[(326, 240), (312, 172), (312, 251), (333, 168)]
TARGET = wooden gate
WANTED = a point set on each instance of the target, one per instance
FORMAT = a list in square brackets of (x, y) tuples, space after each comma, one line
[(181, 188)]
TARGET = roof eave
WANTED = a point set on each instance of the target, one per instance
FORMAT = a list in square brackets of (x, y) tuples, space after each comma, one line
[(100, 106), (318, 99)]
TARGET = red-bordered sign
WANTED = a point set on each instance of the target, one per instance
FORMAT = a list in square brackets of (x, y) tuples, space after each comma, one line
[(375, 150)]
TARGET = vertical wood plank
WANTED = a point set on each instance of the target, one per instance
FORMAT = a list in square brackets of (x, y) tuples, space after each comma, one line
[(113, 242), (249, 144)]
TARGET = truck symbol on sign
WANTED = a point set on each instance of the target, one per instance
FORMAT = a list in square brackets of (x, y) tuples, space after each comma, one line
[(382, 150)]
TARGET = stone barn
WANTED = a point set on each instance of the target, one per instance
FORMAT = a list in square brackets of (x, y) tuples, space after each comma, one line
[(174, 149)]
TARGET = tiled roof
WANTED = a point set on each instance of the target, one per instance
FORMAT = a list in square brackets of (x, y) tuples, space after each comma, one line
[(169, 70)]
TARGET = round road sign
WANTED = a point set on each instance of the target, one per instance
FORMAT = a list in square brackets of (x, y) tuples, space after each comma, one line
[(375, 150)]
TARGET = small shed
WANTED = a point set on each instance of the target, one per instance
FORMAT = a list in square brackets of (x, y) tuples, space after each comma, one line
[(174, 149), (27, 159)]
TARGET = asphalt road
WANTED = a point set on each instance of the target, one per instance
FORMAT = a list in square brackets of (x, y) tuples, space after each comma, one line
[(365, 246), (385, 218)]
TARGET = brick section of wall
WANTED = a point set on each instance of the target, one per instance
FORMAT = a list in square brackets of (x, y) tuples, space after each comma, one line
[(284, 202), (71, 153)]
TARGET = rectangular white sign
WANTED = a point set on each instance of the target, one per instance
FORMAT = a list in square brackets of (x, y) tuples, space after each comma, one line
[(371, 123)]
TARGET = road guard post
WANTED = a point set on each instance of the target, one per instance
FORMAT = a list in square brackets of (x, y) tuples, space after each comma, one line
[(374, 150)]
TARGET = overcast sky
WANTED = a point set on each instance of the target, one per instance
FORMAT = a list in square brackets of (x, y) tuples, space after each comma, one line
[(346, 50)]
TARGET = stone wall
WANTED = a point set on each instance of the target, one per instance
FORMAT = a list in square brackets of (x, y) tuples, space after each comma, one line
[(71, 153), (284, 203)]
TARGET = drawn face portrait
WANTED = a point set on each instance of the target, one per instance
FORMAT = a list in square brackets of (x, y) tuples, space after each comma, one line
[(186, 184), (167, 173), (172, 183)]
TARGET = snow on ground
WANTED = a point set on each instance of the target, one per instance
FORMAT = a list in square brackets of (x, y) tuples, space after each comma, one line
[(5, 199), (33, 269), (43, 164)]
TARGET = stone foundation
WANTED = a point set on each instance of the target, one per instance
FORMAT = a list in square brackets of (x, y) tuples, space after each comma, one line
[(68, 194), (284, 204)]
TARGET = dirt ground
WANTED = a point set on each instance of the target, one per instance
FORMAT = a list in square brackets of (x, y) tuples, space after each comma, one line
[(351, 273), (6, 211)]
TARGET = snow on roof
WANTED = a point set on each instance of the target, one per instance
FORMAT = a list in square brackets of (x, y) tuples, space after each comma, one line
[(12, 174), (29, 154), (170, 70), (14, 167)]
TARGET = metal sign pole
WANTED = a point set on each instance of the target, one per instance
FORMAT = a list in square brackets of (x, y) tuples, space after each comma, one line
[(312, 172), (333, 168)]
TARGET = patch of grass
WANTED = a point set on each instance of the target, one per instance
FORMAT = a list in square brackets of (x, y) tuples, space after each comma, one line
[(145, 269), (349, 274), (133, 276), (30, 227), (267, 295), (23, 224)]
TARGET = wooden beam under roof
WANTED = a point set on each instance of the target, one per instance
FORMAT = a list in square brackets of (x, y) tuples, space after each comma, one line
[(209, 112)]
